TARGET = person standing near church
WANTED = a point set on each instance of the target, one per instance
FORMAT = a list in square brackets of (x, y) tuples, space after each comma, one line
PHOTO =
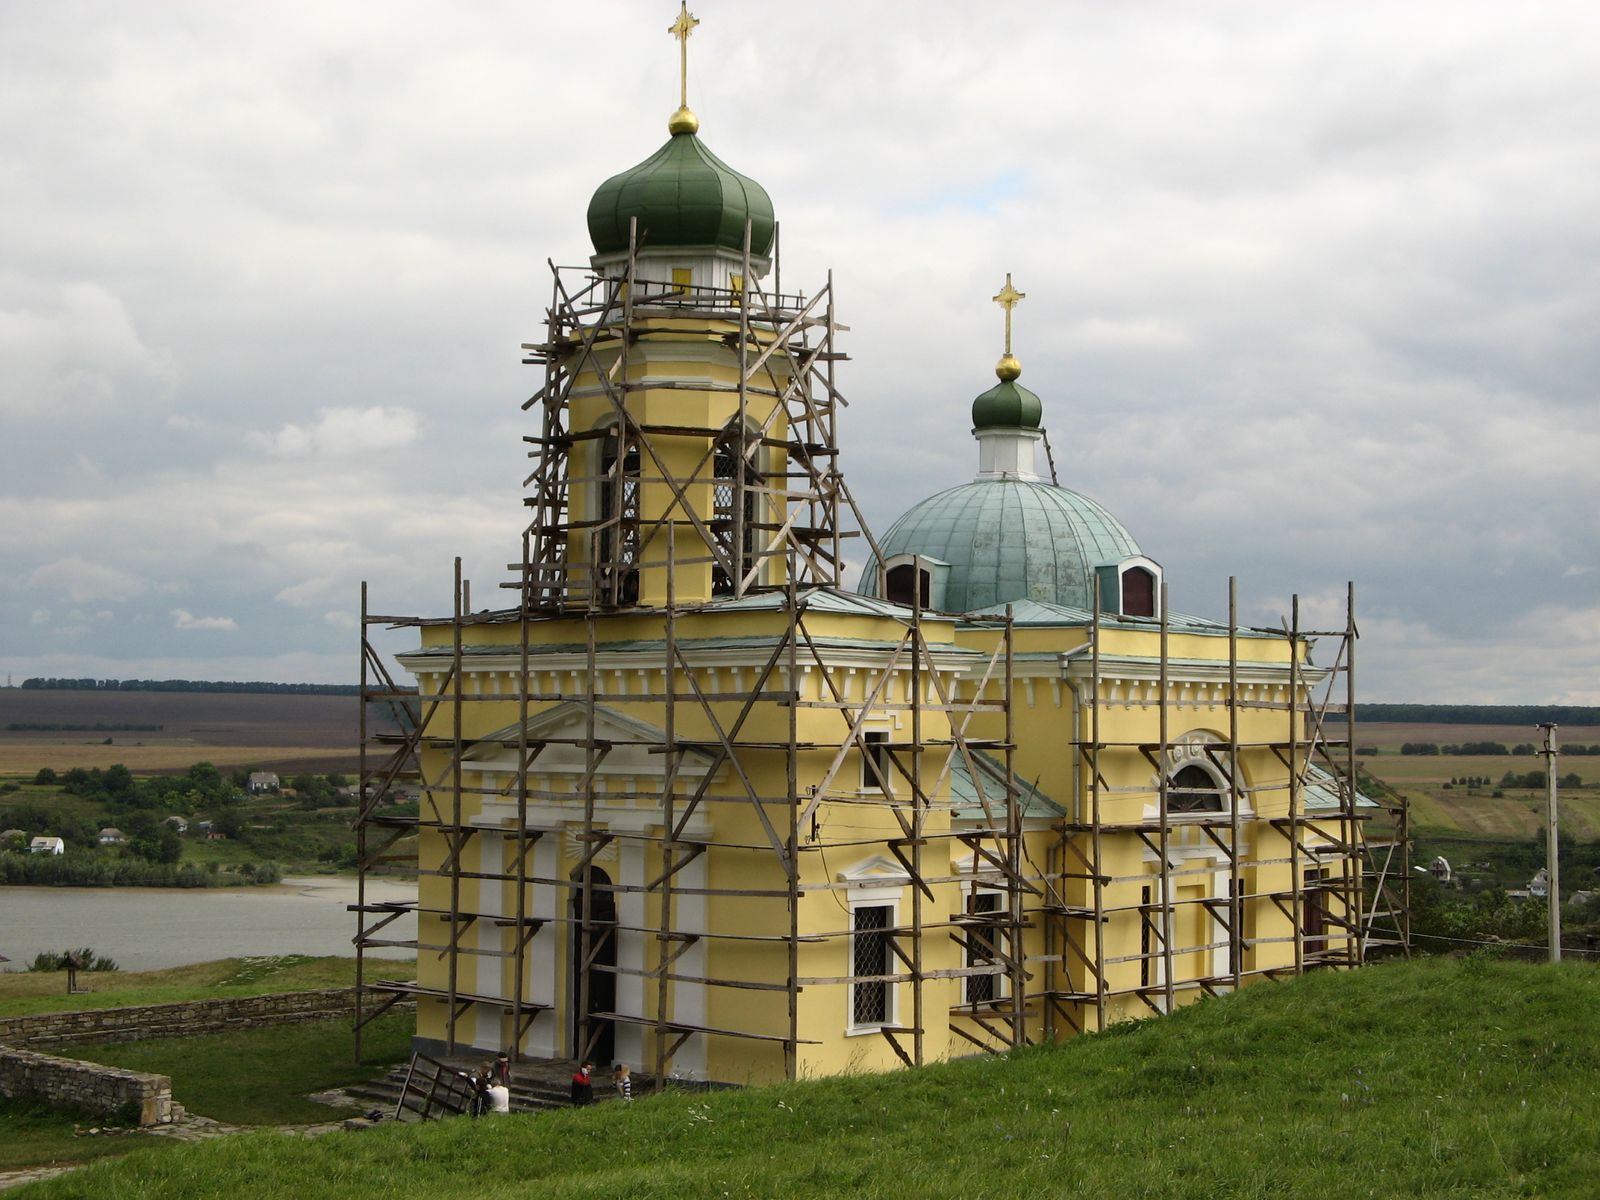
[(583, 1084), (622, 1081)]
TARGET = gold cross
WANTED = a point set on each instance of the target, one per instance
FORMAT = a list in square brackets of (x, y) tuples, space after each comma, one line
[(1008, 298), (681, 29)]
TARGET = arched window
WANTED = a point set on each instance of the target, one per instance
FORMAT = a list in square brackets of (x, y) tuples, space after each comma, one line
[(618, 566), (900, 581), (1193, 790), (1138, 592), (735, 517)]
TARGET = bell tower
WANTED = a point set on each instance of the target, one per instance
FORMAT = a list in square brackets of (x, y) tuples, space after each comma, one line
[(688, 411)]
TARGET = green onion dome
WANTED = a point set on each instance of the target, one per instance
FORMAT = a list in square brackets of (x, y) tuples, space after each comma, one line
[(683, 195), (1007, 405), (1007, 540)]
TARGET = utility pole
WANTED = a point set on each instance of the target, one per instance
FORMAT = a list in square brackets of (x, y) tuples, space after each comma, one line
[(1552, 846)]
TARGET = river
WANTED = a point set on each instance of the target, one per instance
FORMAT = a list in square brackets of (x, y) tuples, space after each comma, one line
[(145, 929)]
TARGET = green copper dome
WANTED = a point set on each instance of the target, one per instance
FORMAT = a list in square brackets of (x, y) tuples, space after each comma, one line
[(683, 195), (1008, 540), (1007, 405)]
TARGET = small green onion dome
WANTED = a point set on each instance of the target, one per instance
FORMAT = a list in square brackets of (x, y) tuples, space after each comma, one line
[(683, 195), (1007, 405)]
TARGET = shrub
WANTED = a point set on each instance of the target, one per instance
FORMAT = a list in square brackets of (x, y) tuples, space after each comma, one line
[(86, 958)]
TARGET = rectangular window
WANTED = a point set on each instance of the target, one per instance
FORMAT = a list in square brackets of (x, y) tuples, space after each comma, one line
[(1145, 973), (1314, 912), (871, 1001), (682, 278), (876, 754), (983, 948)]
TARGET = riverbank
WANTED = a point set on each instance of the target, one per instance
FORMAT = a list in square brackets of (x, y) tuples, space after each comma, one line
[(146, 929), (23, 993)]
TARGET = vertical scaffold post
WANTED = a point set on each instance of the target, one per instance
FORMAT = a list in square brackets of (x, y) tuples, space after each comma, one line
[(453, 840), (918, 812), (1238, 889), (791, 1045), (1097, 866), (1014, 889), (1296, 884), (361, 833), (1349, 836), (1164, 795)]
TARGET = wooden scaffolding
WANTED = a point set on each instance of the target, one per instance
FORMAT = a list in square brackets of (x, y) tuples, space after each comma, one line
[(774, 535)]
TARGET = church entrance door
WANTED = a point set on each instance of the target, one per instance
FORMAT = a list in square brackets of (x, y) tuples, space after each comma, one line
[(594, 982)]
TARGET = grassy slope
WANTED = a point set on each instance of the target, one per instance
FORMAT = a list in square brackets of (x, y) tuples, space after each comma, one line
[(34, 1136), (1431, 1078), (23, 992)]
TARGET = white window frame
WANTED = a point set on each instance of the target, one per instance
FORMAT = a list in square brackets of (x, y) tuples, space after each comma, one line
[(869, 785), (858, 901)]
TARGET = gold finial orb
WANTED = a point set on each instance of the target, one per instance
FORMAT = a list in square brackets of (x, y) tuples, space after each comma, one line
[(1008, 368), (683, 121)]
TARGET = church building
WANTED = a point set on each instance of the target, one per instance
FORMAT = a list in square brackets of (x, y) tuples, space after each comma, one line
[(695, 803)]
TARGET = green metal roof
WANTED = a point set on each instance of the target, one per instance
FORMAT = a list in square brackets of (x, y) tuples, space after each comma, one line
[(1008, 540), (1039, 613), (1321, 792), (683, 195), (966, 806), (1007, 405)]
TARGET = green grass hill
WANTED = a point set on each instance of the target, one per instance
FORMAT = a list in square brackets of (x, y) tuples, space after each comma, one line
[(1441, 1077)]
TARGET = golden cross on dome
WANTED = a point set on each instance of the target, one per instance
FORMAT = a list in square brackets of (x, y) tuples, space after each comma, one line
[(681, 29), (1008, 298)]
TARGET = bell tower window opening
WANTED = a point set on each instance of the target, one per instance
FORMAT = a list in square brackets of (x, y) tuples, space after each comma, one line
[(1193, 790), (734, 517), (618, 564)]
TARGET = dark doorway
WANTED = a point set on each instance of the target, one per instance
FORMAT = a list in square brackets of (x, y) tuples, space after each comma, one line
[(594, 982), (906, 585), (1138, 593)]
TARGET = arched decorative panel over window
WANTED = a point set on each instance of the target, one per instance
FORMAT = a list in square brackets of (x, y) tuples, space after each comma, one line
[(617, 568), (1138, 592), (1193, 790), (735, 516)]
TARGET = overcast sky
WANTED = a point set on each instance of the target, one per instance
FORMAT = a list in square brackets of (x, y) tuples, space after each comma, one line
[(1313, 295)]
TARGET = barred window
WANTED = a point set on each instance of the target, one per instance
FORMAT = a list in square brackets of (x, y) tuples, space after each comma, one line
[(619, 509), (871, 1000), (727, 503), (983, 945)]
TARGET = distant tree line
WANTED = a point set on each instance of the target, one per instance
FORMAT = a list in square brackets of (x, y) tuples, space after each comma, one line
[(1521, 749), (188, 685), (1537, 780), (1481, 714)]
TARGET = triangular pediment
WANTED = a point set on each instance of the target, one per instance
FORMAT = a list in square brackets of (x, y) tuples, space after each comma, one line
[(625, 745), (877, 871)]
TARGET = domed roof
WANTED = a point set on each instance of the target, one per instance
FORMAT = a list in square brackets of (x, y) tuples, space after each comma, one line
[(1006, 540), (1007, 405), (683, 195)]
